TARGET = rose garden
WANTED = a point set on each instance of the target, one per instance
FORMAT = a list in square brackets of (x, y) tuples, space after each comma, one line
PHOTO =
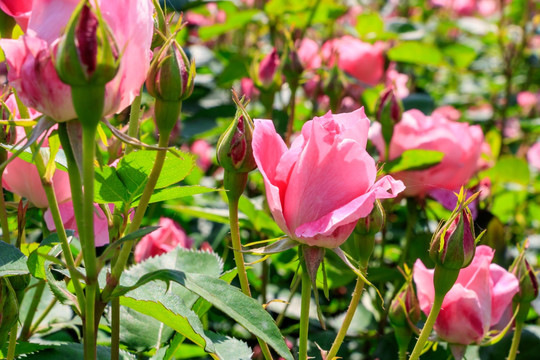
[(269, 179)]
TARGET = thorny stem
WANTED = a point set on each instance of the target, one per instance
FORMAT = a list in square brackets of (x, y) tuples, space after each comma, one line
[(426, 330), (304, 314), (357, 294)]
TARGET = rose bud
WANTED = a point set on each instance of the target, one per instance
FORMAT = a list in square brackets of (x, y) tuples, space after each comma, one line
[(170, 80), (389, 112), (234, 151), (268, 69), (404, 311), (364, 234), (452, 245), (171, 74), (528, 282), (404, 308), (87, 53)]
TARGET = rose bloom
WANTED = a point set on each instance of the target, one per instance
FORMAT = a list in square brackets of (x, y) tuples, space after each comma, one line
[(32, 73), (469, 7), (22, 178), (326, 181), (166, 238), (101, 225), (20, 10), (533, 156), (460, 143), (363, 61), (478, 300), (204, 152)]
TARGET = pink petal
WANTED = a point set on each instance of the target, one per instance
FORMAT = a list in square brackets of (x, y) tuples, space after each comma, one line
[(268, 148), (425, 290), (462, 319), (505, 286)]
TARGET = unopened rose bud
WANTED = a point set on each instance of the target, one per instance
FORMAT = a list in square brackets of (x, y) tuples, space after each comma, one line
[(292, 67), (234, 151), (528, 282), (389, 112), (404, 308), (171, 74), (87, 54), (268, 69), (364, 233), (452, 246)]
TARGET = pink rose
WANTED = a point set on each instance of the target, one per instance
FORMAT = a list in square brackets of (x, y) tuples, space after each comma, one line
[(32, 73), (449, 112), (461, 144), (527, 100), (22, 178), (204, 151), (321, 186), (469, 7), (101, 225), (20, 10), (476, 302), (398, 81), (309, 54), (247, 88), (164, 239), (268, 67), (533, 155), (363, 61)]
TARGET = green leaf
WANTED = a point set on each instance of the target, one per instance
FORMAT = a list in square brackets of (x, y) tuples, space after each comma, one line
[(509, 169), (461, 55), (12, 260), (415, 53), (200, 262), (71, 351), (24, 347), (155, 332), (230, 348), (234, 21), (26, 155), (177, 192), (108, 187), (369, 25), (134, 169), (229, 299), (414, 159), (36, 262), (170, 310)]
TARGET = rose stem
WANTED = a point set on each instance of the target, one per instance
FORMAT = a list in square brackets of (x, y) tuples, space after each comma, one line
[(426, 330), (304, 313), (234, 197), (357, 294)]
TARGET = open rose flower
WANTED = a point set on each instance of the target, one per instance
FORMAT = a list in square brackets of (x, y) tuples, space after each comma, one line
[(477, 301), (101, 225), (533, 156), (31, 71), (22, 178), (363, 61), (20, 10), (321, 186), (460, 143), (164, 239)]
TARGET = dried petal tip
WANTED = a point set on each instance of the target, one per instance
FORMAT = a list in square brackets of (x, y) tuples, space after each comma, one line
[(87, 54)]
